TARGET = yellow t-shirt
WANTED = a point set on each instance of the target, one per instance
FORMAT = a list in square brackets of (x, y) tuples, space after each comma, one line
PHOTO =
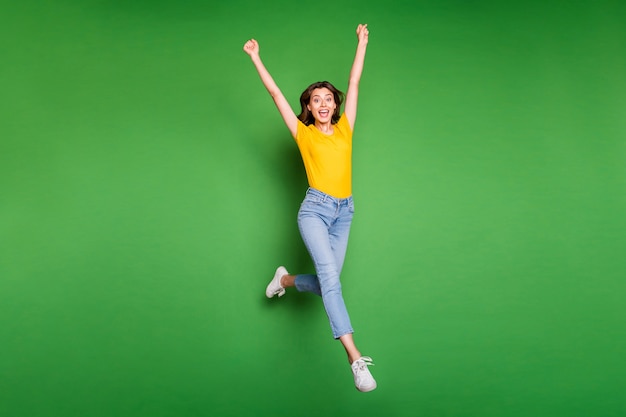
[(327, 158)]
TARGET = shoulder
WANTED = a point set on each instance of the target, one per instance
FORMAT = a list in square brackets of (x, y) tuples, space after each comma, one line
[(344, 126), (303, 131)]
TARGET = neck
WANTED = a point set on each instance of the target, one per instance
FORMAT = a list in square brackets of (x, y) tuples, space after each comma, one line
[(324, 127)]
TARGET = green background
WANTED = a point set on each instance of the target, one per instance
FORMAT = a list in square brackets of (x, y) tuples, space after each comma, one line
[(148, 190)]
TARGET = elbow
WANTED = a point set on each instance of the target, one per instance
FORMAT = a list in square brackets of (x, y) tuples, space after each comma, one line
[(274, 92)]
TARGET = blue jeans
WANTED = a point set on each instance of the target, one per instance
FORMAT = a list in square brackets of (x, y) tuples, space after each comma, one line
[(324, 223)]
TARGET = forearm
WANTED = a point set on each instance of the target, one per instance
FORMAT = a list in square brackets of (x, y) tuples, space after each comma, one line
[(266, 77), (357, 65)]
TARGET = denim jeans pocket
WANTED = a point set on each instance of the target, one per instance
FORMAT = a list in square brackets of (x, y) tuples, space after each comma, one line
[(313, 199)]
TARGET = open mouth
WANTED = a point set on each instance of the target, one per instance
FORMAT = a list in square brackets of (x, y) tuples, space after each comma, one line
[(324, 113)]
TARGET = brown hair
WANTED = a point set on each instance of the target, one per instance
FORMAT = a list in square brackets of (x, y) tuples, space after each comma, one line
[(305, 115)]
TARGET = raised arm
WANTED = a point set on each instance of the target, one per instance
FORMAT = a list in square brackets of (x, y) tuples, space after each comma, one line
[(355, 75), (291, 120)]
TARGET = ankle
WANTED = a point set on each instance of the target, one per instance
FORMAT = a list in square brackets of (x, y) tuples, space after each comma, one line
[(287, 281)]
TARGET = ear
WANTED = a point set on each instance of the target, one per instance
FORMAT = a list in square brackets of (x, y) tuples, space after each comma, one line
[(308, 107)]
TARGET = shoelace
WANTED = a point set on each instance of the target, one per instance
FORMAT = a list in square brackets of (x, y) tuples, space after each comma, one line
[(363, 362)]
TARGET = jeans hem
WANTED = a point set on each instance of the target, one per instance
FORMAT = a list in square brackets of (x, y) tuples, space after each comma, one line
[(345, 333)]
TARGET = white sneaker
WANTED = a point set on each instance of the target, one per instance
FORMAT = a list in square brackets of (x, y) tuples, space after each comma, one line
[(363, 379), (274, 286)]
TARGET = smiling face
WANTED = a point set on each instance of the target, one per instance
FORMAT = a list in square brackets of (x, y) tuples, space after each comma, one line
[(322, 105), (315, 103)]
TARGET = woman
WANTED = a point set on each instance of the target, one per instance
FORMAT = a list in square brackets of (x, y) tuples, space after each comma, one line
[(324, 137)]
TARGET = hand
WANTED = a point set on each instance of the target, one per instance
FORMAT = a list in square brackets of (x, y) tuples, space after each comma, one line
[(251, 47), (362, 33)]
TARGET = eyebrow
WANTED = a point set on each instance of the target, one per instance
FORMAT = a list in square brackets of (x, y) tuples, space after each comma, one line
[(317, 95)]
